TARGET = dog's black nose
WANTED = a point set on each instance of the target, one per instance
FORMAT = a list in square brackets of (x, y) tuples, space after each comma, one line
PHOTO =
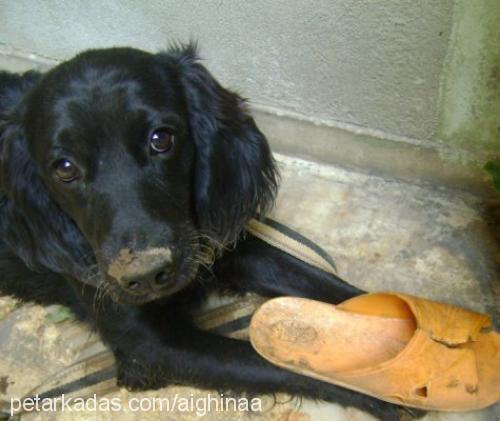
[(162, 278), (144, 271), (153, 280)]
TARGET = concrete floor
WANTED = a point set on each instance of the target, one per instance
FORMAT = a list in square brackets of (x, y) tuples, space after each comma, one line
[(383, 234)]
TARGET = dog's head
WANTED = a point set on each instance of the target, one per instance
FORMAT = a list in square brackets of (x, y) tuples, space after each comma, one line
[(120, 168)]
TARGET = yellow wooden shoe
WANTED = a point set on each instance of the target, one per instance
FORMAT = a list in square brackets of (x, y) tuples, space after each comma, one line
[(395, 347)]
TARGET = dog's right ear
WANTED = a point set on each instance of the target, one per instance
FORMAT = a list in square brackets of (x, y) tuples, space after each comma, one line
[(235, 175)]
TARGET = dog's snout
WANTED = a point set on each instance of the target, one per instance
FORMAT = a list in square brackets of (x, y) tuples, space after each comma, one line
[(143, 271)]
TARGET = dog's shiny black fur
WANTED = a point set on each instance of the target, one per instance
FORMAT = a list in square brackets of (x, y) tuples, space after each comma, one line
[(57, 239)]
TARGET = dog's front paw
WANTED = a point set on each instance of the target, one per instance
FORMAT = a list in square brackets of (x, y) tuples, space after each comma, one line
[(135, 375)]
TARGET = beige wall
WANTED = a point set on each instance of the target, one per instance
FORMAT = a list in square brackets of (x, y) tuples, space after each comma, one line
[(404, 88), (469, 121), (374, 64)]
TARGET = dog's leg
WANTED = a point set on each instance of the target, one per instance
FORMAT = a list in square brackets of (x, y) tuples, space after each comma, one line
[(258, 267), (155, 346), (17, 280)]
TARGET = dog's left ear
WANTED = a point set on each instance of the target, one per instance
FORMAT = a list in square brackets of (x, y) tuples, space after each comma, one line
[(235, 175)]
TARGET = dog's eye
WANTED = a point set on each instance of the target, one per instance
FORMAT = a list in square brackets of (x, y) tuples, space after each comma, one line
[(161, 141), (66, 171)]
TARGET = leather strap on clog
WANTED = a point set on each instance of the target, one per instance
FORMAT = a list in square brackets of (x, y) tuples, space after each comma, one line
[(447, 324), (439, 364)]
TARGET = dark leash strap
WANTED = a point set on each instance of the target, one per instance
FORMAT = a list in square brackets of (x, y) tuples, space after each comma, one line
[(291, 242), (96, 374)]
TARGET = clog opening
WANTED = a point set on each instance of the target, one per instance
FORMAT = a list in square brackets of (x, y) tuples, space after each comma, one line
[(382, 305)]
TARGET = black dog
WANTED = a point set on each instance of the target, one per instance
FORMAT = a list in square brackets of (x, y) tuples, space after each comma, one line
[(121, 174)]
